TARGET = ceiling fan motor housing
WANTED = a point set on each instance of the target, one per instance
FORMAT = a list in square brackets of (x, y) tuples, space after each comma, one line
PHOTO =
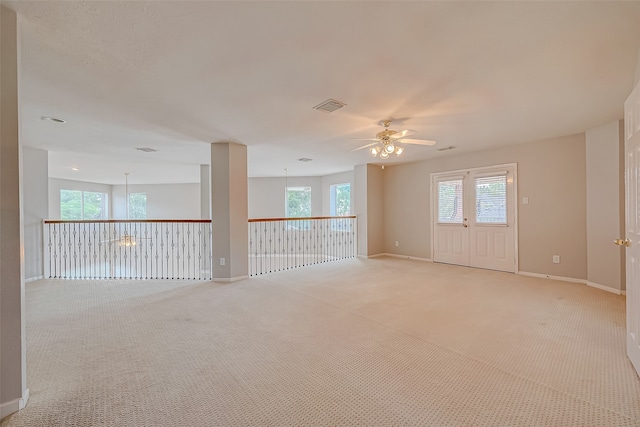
[(385, 135)]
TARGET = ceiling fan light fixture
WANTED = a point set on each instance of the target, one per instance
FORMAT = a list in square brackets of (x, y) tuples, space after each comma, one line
[(386, 142)]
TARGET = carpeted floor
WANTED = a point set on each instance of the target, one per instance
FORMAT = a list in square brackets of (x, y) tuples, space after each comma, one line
[(379, 342)]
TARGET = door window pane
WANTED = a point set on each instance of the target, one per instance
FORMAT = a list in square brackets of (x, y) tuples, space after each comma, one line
[(491, 200), (450, 201)]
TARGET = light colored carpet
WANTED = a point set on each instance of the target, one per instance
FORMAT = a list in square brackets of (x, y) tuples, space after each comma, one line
[(380, 342)]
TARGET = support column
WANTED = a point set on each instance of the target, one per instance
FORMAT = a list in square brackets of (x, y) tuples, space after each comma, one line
[(368, 205), (205, 192), (13, 374), (229, 211)]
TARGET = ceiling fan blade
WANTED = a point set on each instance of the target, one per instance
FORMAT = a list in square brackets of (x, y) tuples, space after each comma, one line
[(402, 134), (363, 139), (418, 142), (364, 146)]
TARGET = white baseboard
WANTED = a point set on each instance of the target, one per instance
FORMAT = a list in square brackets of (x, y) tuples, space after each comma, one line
[(605, 288), (408, 257), (229, 279), (16, 405), (549, 276), (573, 280), (394, 256), (33, 279)]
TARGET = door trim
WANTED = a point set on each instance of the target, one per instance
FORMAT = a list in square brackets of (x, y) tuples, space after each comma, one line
[(458, 172)]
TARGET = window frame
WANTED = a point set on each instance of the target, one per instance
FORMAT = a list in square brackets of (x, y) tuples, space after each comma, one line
[(83, 193), (128, 208), (286, 199), (333, 195)]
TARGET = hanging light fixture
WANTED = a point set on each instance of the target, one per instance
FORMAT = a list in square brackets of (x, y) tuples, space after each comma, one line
[(127, 239), (387, 145), (388, 142)]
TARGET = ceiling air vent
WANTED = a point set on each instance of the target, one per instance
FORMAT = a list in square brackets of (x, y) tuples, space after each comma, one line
[(330, 105), (146, 149), (304, 159)]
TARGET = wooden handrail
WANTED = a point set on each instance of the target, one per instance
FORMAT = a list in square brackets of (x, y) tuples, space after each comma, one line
[(299, 219), (118, 221)]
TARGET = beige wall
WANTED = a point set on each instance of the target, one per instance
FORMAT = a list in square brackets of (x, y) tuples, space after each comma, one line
[(327, 182), (368, 201), (604, 205), (359, 196), (55, 185), (375, 210), (266, 195), (406, 207), (35, 184), (551, 173), (13, 373), (229, 211), (164, 201)]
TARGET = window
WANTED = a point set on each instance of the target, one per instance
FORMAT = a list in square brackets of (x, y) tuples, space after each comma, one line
[(450, 201), (340, 200), (491, 200), (137, 205), (79, 205), (298, 205)]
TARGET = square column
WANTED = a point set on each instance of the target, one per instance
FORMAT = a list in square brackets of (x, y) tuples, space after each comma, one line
[(229, 212), (13, 348), (205, 192), (369, 207)]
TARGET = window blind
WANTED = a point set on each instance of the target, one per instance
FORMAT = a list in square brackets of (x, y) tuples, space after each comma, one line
[(491, 200), (450, 201)]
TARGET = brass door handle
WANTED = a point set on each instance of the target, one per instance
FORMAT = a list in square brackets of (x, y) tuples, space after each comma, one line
[(622, 242), (465, 225)]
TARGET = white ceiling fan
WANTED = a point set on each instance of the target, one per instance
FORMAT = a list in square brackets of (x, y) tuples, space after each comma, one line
[(389, 141)]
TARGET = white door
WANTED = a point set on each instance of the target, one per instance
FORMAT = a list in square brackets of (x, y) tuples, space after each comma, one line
[(451, 234), (474, 218), (632, 217)]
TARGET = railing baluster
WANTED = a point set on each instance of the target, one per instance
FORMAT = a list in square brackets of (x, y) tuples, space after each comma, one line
[(277, 244), (127, 249), (173, 249)]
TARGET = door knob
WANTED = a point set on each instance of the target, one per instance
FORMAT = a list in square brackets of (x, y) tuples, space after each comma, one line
[(465, 225), (622, 242)]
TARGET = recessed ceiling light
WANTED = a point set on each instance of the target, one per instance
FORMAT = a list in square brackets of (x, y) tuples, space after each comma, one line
[(75, 169), (52, 119), (304, 159)]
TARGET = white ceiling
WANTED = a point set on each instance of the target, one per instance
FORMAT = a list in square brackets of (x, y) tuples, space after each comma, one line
[(175, 76)]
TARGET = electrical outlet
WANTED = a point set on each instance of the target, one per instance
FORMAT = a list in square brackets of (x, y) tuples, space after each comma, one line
[(525, 200), (222, 261), (397, 243), (556, 259)]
